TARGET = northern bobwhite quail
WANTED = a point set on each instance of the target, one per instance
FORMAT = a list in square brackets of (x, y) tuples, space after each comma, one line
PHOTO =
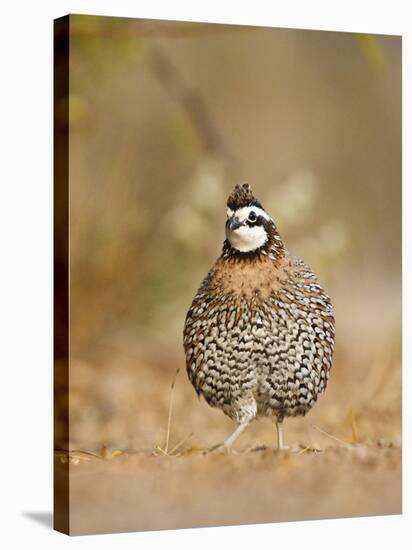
[(259, 335)]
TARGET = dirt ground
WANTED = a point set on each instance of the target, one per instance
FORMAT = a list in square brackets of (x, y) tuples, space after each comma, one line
[(147, 492), (344, 457)]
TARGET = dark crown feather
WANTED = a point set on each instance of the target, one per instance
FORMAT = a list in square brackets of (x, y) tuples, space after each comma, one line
[(242, 196)]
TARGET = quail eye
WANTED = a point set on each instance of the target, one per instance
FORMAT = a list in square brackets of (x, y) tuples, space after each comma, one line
[(252, 216)]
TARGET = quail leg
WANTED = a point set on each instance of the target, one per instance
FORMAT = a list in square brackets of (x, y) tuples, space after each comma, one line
[(230, 440), (279, 433)]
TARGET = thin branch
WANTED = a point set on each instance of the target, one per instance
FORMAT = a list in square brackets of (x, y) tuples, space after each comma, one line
[(193, 103)]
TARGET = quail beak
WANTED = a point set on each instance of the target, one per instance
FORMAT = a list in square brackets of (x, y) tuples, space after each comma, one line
[(233, 223)]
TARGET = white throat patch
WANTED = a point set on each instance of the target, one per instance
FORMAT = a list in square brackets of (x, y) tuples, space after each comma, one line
[(245, 238)]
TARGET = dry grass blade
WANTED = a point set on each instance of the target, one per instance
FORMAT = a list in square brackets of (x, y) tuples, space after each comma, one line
[(118, 452), (159, 448), (305, 450), (345, 443), (181, 443), (354, 426), (165, 450), (75, 452), (74, 456)]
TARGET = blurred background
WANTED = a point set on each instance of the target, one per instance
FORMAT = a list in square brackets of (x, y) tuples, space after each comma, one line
[(165, 118)]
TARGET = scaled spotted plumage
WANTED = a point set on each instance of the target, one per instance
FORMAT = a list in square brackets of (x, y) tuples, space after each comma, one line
[(259, 334)]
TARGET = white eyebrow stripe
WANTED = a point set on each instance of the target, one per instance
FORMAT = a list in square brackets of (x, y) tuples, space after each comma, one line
[(243, 213), (230, 212)]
